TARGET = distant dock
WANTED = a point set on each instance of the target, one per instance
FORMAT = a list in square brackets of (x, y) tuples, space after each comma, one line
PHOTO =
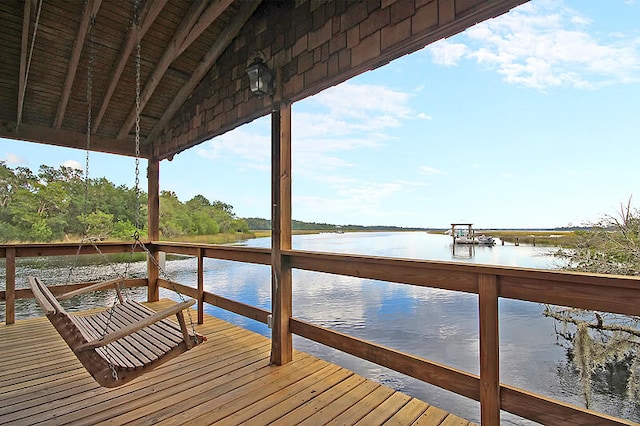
[(467, 235)]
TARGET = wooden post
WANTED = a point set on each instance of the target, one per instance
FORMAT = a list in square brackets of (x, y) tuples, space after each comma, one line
[(489, 351), (10, 286), (200, 286), (153, 227), (281, 341)]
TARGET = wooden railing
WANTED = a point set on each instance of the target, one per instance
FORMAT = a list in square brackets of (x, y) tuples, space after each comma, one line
[(588, 291)]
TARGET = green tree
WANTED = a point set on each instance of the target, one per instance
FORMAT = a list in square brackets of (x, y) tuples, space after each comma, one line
[(174, 217), (99, 225), (40, 231)]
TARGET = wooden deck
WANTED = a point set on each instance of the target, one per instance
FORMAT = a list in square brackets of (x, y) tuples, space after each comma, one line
[(227, 380)]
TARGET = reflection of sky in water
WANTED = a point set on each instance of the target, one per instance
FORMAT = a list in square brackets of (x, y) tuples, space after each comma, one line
[(435, 324)]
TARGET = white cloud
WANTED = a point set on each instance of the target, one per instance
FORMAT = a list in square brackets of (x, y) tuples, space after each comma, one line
[(431, 170), (447, 53), (544, 44), (348, 117), (346, 120), (73, 164), (251, 149), (14, 160), (331, 133), (351, 199), (378, 105)]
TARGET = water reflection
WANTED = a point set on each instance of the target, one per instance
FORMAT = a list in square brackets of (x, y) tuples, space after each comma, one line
[(436, 324)]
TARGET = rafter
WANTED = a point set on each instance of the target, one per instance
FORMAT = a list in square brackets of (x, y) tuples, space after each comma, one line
[(147, 16), (24, 45), (90, 10), (68, 139), (207, 18), (194, 23), (225, 38)]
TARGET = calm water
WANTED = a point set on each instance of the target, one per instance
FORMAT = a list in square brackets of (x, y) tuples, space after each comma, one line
[(438, 325)]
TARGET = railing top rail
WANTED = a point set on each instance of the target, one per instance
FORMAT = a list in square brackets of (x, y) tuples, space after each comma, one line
[(65, 249), (475, 268), (609, 293), (230, 248)]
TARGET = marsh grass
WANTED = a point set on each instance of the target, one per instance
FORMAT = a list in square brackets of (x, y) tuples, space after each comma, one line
[(538, 238), (222, 238), (524, 236)]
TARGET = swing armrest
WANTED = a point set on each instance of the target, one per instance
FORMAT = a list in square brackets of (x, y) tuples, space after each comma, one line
[(136, 326), (42, 295), (90, 288)]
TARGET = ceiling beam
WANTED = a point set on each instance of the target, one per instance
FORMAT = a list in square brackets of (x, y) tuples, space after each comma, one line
[(207, 18), (90, 11), (147, 16), (225, 38), (24, 45), (68, 139), (189, 29)]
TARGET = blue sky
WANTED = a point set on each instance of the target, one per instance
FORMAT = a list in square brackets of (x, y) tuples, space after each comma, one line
[(526, 120)]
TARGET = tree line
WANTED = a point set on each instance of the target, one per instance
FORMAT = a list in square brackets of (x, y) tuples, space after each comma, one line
[(61, 204), (256, 223)]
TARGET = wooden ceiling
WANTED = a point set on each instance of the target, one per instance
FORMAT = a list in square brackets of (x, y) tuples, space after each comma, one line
[(51, 49), (47, 47)]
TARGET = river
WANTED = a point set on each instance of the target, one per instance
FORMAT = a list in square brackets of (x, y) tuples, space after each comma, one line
[(438, 325)]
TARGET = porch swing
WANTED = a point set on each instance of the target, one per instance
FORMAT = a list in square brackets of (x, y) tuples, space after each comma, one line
[(127, 340)]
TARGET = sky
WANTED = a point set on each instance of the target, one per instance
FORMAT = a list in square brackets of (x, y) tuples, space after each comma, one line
[(528, 120)]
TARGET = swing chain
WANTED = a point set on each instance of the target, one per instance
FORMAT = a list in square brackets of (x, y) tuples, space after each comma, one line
[(137, 180), (114, 373), (173, 286), (89, 121)]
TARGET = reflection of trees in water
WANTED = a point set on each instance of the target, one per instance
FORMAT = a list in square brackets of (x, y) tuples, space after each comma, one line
[(609, 382), (602, 350), (602, 345)]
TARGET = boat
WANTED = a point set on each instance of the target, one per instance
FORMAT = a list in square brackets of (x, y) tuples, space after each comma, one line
[(468, 236), (479, 239)]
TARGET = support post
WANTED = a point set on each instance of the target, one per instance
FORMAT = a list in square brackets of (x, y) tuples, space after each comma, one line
[(489, 350), (153, 227), (10, 286), (200, 286), (281, 283)]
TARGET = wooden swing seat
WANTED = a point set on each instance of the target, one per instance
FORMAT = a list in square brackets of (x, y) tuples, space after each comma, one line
[(136, 340)]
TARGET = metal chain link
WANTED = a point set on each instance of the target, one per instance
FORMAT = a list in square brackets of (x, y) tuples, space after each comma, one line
[(164, 274), (137, 181), (89, 119), (86, 237)]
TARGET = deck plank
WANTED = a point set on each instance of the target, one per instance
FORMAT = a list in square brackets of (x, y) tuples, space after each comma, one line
[(363, 407), (408, 414), (251, 407), (322, 401), (385, 410), (211, 409), (433, 416), (227, 380), (343, 403)]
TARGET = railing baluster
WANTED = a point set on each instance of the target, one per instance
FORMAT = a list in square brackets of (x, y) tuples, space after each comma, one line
[(489, 350), (200, 285), (10, 282)]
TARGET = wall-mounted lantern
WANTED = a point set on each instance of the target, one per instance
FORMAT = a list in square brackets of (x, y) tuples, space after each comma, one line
[(261, 78)]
